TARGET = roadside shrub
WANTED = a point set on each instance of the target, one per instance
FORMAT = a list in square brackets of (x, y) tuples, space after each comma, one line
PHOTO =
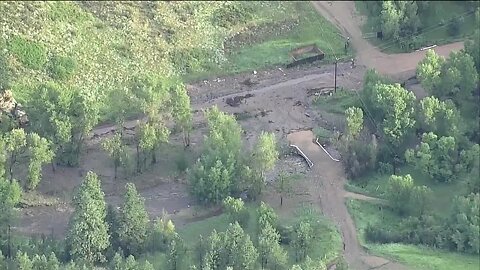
[(31, 54), (61, 67)]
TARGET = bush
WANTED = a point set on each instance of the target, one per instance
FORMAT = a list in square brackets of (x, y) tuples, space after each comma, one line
[(233, 14), (29, 53), (359, 157), (454, 26), (62, 68), (385, 168), (236, 211), (379, 235)]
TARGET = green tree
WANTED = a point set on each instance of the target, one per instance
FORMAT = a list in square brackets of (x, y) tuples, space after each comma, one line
[(405, 197), (399, 192), (354, 119), (64, 116), (239, 251), (464, 223), (440, 117), (470, 164), (266, 215), (391, 19), (284, 185), (130, 263), (152, 96), (175, 252), (310, 264), (113, 221), (40, 262), (40, 153), (23, 261), (472, 46), (88, 237), (133, 221), (270, 251), (211, 179), (163, 233), (117, 262), (116, 149), (302, 240), (15, 143), (435, 156), (10, 194), (85, 109), (213, 259), (236, 210), (224, 139), (429, 70), (396, 106), (459, 78), (181, 110), (265, 153), (211, 184)]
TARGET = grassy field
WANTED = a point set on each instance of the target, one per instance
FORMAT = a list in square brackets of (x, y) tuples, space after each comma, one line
[(375, 185), (416, 257), (435, 24), (337, 103), (100, 46), (327, 244), (278, 28)]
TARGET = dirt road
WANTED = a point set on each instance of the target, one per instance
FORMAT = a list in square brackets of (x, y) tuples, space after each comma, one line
[(344, 15)]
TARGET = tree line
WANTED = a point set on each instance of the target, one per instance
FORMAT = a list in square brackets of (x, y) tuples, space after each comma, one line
[(437, 135)]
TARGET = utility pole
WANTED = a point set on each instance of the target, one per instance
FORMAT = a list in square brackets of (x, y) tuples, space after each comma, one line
[(335, 74)]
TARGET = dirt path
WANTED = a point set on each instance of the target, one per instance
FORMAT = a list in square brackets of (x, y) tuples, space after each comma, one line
[(329, 189), (344, 15)]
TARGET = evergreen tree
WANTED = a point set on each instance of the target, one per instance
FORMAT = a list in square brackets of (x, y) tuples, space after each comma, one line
[(133, 221), (87, 237)]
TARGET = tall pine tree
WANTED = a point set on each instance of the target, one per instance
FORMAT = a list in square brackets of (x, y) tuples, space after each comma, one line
[(133, 221), (88, 238)]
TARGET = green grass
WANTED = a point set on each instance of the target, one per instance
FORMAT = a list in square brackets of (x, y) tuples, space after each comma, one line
[(322, 133), (31, 54), (337, 103), (416, 257), (110, 43), (375, 185), (438, 12), (279, 27)]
